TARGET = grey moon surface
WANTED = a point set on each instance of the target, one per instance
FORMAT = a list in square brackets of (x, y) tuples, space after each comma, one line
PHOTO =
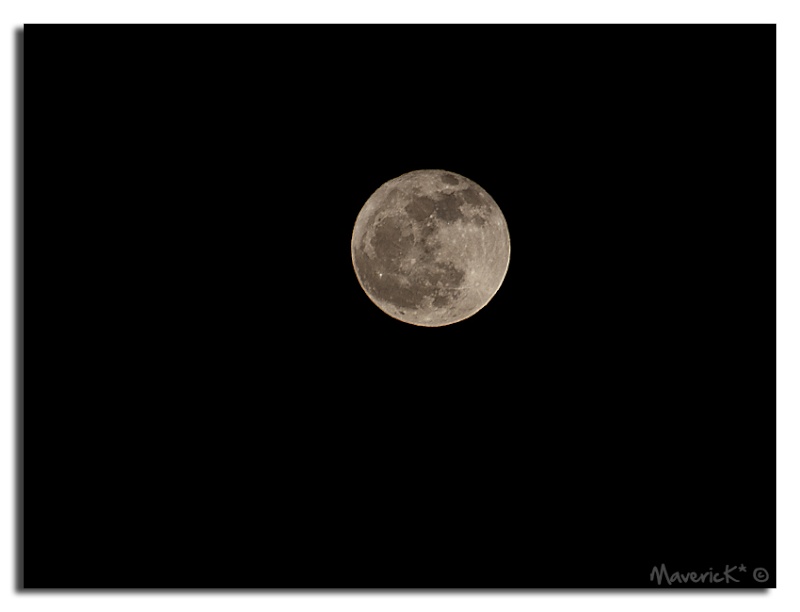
[(430, 247)]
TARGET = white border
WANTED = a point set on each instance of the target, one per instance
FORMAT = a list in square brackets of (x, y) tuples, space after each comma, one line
[(786, 597)]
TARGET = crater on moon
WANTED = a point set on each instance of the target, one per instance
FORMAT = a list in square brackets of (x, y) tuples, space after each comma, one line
[(430, 247)]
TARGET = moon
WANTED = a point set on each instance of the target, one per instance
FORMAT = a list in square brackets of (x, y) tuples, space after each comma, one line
[(430, 248)]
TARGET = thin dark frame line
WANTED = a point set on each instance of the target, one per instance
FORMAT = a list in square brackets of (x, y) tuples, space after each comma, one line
[(19, 310)]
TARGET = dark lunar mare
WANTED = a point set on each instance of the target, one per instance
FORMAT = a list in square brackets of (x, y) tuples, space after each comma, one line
[(392, 241), (447, 208), (390, 246)]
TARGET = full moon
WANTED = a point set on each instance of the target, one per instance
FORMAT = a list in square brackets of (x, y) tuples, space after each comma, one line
[(430, 248)]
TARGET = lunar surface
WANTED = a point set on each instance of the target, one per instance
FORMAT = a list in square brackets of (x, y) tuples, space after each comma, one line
[(430, 247)]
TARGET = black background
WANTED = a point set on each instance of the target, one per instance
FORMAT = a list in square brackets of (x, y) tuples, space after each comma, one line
[(211, 400)]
